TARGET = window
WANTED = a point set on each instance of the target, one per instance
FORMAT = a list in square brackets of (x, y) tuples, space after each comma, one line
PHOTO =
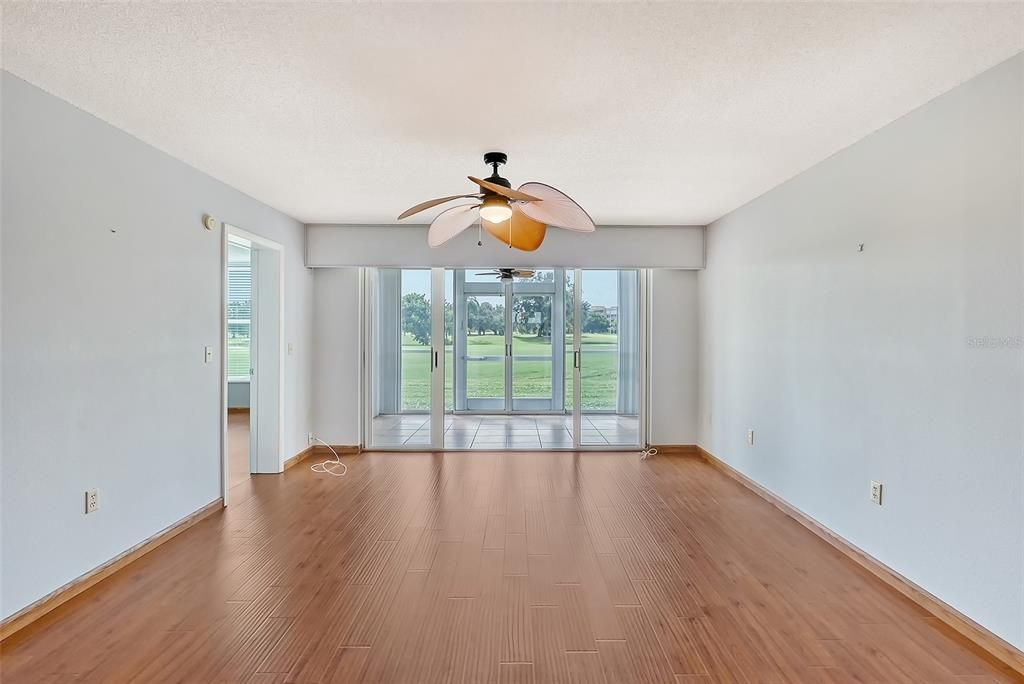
[(239, 312)]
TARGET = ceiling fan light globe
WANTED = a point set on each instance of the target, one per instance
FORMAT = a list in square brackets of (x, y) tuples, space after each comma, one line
[(495, 210), (496, 214)]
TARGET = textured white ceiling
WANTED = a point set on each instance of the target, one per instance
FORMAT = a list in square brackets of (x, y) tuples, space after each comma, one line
[(665, 114)]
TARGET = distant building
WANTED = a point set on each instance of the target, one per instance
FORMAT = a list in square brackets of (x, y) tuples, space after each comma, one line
[(611, 312)]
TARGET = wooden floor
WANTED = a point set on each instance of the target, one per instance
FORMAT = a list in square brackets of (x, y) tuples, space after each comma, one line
[(238, 448), (478, 567)]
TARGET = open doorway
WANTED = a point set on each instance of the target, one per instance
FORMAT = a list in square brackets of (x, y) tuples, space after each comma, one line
[(239, 357), (253, 364)]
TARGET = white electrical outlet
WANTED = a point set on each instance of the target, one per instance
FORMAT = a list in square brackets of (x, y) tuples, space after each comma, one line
[(92, 501), (876, 492), (207, 354), (750, 437)]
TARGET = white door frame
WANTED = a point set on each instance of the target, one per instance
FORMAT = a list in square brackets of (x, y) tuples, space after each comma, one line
[(268, 416), (437, 357), (577, 357)]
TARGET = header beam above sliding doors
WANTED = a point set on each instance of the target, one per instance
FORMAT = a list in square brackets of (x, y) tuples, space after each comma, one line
[(405, 246)]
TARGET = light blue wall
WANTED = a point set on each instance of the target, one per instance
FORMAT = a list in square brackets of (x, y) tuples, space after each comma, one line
[(238, 395), (902, 363), (110, 291)]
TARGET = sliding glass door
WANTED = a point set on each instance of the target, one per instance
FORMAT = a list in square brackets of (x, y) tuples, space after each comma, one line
[(401, 335), (469, 358), (507, 359), (481, 352), (608, 343)]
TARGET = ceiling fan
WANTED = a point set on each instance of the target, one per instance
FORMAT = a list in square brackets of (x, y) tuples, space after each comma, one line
[(518, 218), (506, 275)]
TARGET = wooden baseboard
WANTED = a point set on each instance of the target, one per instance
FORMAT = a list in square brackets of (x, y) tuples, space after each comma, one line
[(298, 458), (677, 449), (1003, 651), (34, 611), (319, 450), (238, 409)]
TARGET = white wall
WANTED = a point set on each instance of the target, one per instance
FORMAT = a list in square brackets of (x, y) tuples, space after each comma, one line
[(111, 288), (673, 357), (238, 394), (336, 355), (857, 366)]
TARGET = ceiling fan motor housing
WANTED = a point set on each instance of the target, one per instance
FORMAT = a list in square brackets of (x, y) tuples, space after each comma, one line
[(496, 159), (491, 158)]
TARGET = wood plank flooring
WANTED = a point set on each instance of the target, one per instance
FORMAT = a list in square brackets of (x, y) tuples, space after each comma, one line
[(482, 567), (238, 448)]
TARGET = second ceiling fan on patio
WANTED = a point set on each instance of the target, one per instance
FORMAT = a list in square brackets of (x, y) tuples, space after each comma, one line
[(506, 275), (518, 218)]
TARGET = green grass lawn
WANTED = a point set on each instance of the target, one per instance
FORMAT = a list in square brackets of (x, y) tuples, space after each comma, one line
[(530, 378)]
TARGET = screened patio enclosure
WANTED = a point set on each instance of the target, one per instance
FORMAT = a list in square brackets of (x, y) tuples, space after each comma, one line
[(516, 357)]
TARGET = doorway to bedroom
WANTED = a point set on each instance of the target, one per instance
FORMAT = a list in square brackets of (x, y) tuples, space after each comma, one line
[(253, 347)]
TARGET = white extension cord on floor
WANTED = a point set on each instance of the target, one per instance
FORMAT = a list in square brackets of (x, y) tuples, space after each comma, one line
[(332, 467), (647, 452)]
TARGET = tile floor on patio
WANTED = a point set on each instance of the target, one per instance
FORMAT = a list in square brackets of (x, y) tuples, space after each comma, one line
[(482, 431)]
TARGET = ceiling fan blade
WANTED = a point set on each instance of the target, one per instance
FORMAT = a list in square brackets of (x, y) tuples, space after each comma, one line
[(488, 273), (520, 231), (451, 222), (555, 208), (524, 274), (430, 203), (502, 190)]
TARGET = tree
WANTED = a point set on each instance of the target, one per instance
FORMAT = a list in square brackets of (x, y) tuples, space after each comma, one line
[(472, 314), (416, 317), (533, 315), (597, 322), (496, 322), (449, 323), (484, 317)]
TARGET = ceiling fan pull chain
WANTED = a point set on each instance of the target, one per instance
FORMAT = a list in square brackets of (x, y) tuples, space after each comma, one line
[(479, 231)]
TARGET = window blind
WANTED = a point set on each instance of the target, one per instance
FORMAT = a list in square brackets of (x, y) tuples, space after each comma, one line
[(239, 312)]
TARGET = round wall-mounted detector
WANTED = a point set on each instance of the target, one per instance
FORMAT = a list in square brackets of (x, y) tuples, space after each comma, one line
[(210, 223)]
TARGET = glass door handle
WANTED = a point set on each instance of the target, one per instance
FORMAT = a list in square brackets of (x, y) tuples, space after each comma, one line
[(434, 356), (577, 359)]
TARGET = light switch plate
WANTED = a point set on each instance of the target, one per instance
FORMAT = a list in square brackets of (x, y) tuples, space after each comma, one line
[(750, 437), (208, 354)]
